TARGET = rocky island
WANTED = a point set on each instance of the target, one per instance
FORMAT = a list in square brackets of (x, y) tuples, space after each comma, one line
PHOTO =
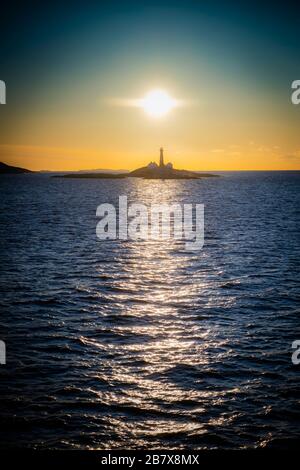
[(151, 171)]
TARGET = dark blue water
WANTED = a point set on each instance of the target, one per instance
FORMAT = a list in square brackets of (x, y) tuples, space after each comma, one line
[(142, 344)]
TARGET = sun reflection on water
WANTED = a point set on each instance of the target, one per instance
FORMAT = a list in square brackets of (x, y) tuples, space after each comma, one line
[(161, 345)]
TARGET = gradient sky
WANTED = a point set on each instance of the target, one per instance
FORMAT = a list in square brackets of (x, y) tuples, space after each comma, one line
[(234, 65)]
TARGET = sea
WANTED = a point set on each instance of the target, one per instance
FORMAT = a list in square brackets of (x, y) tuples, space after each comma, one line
[(143, 344)]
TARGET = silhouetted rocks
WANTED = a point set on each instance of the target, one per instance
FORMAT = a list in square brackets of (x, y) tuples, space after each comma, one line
[(8, 169), (151, 171)]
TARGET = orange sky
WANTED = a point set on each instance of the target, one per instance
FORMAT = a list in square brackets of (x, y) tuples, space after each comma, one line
[(250, 157), (240, 132), (233, 73)]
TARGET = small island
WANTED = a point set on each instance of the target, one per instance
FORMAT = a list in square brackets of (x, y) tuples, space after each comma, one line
[(151, 171)]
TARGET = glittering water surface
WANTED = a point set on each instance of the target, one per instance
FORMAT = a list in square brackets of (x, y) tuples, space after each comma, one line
[(143, 344)]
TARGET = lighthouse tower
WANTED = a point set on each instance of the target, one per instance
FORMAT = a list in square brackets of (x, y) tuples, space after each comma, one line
[(161, 158)]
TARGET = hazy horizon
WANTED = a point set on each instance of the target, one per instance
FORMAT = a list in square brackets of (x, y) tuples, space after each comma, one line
[(117, 170)]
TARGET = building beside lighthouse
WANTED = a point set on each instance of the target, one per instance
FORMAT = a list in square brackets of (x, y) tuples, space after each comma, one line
[(153, 170), (161, 166), (162, 171)]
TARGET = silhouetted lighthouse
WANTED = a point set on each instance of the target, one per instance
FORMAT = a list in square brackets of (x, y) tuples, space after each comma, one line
[(161, 158)]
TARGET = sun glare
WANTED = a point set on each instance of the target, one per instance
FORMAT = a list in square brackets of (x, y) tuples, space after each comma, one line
[(157, 103)]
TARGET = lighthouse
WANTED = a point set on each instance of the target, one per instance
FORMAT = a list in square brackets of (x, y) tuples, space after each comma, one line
[(161, 158)]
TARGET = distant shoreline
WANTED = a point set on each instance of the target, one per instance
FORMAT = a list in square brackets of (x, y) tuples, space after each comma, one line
[(128, 175), (6, 169)]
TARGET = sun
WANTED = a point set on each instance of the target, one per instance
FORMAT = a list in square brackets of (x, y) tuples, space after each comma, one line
[(157, 103)]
